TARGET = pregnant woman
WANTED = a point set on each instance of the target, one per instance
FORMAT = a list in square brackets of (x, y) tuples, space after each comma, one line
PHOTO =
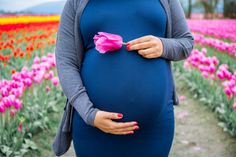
[(123, 99)]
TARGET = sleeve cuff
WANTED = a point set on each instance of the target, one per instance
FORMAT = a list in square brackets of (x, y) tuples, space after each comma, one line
[(91, 116), (165, 47), (85, 108)]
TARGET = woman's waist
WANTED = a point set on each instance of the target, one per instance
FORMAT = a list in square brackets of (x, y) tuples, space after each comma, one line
[(123, 59)]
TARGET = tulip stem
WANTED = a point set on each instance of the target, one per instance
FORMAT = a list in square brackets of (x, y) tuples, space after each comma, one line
[(123, 43), (3, 121)]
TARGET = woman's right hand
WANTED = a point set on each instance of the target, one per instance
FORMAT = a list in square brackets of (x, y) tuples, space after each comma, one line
[(103, 121)]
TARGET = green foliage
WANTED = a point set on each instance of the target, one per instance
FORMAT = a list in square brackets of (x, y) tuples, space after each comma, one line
[(210, 93)]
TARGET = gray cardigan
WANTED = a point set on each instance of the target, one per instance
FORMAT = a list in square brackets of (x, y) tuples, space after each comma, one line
[(69, 56)]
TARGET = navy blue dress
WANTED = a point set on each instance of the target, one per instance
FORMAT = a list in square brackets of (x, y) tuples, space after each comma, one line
[(125, 82)]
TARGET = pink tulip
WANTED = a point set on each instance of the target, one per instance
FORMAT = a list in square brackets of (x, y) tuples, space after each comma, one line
[(49, 75), (234, 105), (27, 82), (45, 65), (234, 91), (47, 88), (55, 81), (107, 42), (220, 75), (212, 68), (35, 67), (36, 60), (213, 77), (205, 74), (18, 91), (4, 92), (50, 54), (7, 101), (39, 76), (44, 59), (227, 91), (2, 108)]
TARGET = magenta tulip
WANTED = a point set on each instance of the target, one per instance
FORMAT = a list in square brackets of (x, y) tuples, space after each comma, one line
[(28, 82), (17, 104), (2, 108), (107, 42)]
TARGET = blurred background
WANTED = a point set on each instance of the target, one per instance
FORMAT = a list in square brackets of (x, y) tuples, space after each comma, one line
[(193, 8), (32, 101)]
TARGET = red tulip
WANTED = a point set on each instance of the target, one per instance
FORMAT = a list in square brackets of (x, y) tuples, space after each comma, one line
[(12, 113), (20, 127)]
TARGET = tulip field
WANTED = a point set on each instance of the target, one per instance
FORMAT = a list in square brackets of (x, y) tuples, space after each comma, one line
[(30, 90), (209, 72)]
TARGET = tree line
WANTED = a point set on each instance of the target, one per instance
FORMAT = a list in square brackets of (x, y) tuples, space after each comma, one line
[(209, 7)]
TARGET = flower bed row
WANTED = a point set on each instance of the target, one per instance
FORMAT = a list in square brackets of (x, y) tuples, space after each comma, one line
[(213, 83), (25, 102), (216, 28), (29, 90), (225, 47)]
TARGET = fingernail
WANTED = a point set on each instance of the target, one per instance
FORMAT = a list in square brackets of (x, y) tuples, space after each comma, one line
[(136, 128), (120, 115), (135, 123), (128, 48), (127, 44), (131, 132)]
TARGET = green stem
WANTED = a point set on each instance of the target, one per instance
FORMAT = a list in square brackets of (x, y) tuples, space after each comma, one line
[(3, 121), (124, 43)]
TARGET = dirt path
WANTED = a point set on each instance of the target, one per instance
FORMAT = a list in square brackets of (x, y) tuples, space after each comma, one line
[(196, 133)]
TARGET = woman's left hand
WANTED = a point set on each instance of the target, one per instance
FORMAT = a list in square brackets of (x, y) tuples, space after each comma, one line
[(148, 46)]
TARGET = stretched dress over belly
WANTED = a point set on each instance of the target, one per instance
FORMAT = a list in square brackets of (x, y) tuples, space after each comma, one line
[(125, 82)]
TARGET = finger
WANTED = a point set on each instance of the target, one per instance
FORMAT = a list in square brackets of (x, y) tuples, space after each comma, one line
[(122, 133), (122, 125), (139, 46), (131, 128), (113, 115), (140, 40), (146, 51), (150, 56)]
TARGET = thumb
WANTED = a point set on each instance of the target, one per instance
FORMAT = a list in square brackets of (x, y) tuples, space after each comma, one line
[(113, 115)]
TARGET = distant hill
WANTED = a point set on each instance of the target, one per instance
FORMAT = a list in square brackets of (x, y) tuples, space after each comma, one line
[(46, 8)]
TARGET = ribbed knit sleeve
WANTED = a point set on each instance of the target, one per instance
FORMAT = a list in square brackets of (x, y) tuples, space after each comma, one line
[(68, 66), (180, 45)]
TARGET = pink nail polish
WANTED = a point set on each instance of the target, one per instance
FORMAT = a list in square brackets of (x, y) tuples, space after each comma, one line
[(131, 132)]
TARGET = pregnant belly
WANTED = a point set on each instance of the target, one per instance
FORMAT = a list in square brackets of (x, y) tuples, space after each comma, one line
[(126, 83)]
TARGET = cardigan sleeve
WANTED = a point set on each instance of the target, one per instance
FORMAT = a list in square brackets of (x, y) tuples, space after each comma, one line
[(180, 45), (68, 66)]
